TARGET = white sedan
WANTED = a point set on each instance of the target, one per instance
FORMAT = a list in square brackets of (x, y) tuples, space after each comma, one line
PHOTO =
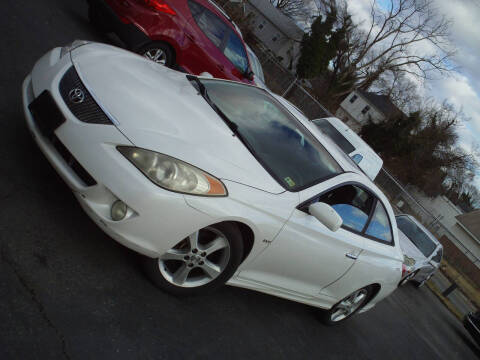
[(422, 251), (212, 181)]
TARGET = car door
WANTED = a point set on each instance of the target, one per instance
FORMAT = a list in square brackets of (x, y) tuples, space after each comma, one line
[(380, 260), (306, 256), (206, 35)]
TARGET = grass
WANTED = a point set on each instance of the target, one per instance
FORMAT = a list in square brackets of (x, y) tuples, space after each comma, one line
[(465, 285)]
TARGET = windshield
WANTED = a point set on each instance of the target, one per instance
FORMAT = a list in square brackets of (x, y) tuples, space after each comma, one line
[(416, 235), (329, 130), (287, 150)]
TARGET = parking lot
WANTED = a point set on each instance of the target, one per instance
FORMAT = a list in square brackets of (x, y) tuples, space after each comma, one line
[(68, 291)]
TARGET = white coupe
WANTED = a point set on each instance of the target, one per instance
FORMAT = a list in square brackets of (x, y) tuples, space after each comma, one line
[(212, 181)]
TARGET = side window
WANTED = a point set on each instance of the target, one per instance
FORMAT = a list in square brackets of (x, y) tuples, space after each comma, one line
[(352, 203), (195, 9), (357, 158), (379, 226), (353, 98), (235, 52), (337, 137), (365, 109), (438, 256), (214, 28)]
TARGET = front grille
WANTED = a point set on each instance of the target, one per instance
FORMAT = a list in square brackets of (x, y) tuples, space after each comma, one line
[(87, 110), (77, 168), (46, 114)]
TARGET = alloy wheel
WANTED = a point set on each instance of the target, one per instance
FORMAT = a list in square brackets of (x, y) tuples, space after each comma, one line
[(421, 283), (349, 305), (157, 55), (196, 260)]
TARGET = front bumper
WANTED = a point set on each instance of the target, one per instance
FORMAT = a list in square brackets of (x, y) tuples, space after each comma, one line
[(157, 220)]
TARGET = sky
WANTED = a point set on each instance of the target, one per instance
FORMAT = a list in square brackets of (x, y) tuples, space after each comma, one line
[(462, 87)]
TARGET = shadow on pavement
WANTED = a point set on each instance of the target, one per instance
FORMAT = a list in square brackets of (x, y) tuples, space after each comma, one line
[(468, 341)]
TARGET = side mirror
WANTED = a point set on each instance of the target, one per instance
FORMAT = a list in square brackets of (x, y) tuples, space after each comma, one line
[(249, 75), (206, 75), (326, 215)]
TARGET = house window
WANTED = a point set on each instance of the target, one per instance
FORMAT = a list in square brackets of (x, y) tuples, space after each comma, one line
[(353, 98), (365, 109)]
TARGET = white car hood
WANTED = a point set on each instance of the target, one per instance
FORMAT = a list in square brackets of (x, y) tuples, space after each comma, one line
[(409, 248), (158, 109)]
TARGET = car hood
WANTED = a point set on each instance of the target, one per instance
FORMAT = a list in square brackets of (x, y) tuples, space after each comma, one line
[(409, 248), (158, 109)]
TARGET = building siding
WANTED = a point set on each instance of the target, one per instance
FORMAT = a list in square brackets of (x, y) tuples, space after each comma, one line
[(273, 38), (351, 113)]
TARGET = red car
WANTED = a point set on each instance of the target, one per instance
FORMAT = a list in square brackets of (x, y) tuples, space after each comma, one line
[(194, 35)]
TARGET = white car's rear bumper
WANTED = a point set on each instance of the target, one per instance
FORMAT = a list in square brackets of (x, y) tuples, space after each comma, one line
[(157, 219)]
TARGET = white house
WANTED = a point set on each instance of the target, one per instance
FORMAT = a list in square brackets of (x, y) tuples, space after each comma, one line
[(276, 31), (360, 105), (468, 228), (465, 228)]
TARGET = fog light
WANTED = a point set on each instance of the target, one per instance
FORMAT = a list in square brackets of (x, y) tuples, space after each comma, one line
[(118, 211)]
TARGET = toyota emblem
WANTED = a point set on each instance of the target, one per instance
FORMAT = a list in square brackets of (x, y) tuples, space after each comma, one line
[(76, 96)]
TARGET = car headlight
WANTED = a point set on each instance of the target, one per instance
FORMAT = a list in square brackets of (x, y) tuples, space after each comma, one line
[(77, 43), (408, 260), (173, 174)]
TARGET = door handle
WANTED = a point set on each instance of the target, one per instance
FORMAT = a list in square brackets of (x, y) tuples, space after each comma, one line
[(190, 36), (221, 67), (126, 3), (351, 256)]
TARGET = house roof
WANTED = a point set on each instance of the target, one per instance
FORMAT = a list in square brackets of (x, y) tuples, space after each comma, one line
[(382, 103), (286, 25), (471, 222)]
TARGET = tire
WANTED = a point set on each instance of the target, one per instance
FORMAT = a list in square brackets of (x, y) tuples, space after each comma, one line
[(326, 316), (407, 278), (200, 263), (96, 19), (159, 52), (420, 284)]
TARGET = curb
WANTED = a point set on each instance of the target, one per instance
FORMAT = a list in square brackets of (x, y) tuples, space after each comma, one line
[(448, 304)]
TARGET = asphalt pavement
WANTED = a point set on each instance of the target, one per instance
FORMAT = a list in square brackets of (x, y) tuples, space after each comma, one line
[(68, 291)]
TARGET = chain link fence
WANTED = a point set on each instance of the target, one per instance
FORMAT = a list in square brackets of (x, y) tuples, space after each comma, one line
[(404, 202), (283, 82)]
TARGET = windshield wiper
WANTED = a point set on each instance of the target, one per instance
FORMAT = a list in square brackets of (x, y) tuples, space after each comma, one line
[(203, 91)]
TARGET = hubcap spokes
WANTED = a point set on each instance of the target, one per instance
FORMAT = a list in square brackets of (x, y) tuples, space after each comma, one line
[(156, 55), (196, 260), (348, 305)]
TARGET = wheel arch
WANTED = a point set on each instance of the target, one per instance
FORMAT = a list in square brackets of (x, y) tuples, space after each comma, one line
[(376, 287), (248, 237), (162, 40)]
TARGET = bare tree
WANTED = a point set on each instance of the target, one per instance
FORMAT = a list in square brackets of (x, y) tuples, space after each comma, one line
[(294, 9), (402, 90), (410, 37)]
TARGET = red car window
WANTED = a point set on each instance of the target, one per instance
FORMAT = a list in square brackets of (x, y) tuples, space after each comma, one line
[(235, 52), (213, 27)]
